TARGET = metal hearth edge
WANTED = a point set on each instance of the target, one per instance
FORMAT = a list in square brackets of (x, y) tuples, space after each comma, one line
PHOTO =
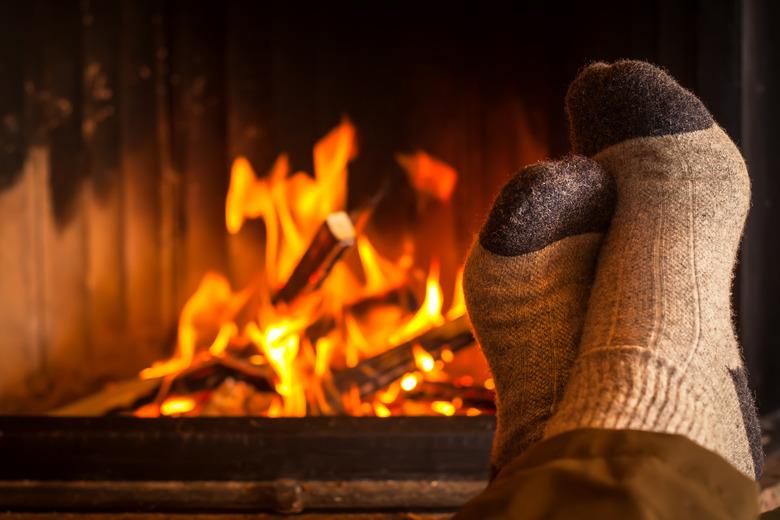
[(242, 464)]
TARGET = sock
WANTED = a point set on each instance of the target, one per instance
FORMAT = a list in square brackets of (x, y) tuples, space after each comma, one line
[(658, 350), (526, 283)]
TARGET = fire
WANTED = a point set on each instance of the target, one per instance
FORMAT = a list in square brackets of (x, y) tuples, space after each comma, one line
[(291, 206), (212, 307), (429, 175), (429, 314), (381, 274), (280, 343), (301, 344), (458, 305)]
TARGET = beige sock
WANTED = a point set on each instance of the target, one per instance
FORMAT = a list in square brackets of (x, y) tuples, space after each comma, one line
[(658, 350), (527, 281)]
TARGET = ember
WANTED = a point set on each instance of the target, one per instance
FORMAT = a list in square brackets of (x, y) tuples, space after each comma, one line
[(327, 328)]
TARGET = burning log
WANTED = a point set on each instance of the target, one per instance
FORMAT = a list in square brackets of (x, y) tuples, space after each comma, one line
[(117, 396), (334, 237), (196, 376), (376, 373)]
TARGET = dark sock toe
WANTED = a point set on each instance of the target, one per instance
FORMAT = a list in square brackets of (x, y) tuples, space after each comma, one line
[(608, 104), (546, 202)]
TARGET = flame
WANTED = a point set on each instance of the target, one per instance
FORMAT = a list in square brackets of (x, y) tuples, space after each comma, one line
[(331, 155), (324, 351), (428, 174), (280, 343), (212, 306), (220, 344), (250, 197), (429, 314), (381, 274), (292, 207), (458, 306)]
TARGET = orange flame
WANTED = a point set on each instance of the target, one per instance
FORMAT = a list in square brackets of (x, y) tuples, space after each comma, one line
[(212, 307), (381, 274), (458, 306), (280, 343), (429, 314), (292, 207), (429, 175)]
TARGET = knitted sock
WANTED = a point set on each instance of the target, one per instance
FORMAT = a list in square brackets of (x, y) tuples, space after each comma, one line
[(527, 281), (658, 350)]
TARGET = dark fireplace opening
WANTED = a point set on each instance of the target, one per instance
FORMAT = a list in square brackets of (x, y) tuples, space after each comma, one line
[(233, 213)]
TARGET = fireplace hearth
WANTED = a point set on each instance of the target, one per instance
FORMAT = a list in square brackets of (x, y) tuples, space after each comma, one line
[(232, 465)]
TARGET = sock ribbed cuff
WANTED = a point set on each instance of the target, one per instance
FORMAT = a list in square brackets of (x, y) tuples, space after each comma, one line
[(632, 388)]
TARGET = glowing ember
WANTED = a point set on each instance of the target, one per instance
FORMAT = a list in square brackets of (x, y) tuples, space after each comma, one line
[(381, 410), (443, 407), (409, 382), (177, 405), (422, 359)]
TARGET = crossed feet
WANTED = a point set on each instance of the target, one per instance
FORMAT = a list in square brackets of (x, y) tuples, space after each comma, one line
[(599, 287)]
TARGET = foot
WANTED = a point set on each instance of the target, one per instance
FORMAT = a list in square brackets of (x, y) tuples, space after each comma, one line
[(527, 281), (658, 349)]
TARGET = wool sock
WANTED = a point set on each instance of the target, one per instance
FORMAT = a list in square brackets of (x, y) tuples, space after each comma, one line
[(527, 281), (658, 350)]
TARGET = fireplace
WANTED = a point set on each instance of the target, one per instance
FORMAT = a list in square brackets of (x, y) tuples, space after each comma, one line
[(221, 217)]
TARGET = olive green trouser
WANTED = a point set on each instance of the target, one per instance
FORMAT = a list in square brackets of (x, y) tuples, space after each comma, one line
[(624, 474)]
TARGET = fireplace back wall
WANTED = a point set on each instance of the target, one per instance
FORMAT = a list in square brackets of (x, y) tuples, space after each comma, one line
[(119, 122)]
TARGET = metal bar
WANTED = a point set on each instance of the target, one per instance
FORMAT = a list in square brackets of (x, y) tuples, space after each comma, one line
[(284, 496), (118, 448)]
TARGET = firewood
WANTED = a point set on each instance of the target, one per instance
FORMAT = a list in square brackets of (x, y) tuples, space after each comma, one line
[(379, 371), (121, 395), (209, 371), (335, 236)]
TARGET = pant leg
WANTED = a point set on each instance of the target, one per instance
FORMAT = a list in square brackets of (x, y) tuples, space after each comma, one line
[(625, 474)]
